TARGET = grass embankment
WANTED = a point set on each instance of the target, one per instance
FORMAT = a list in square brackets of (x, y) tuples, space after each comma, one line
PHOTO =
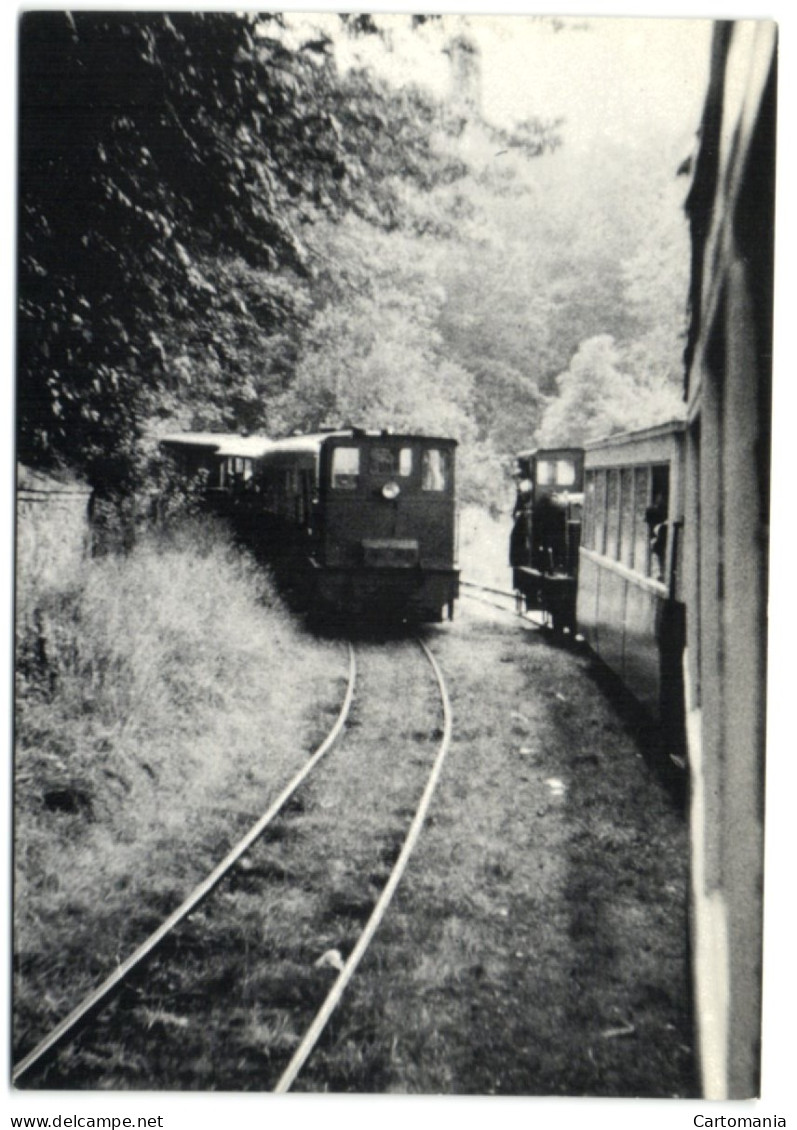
[(162, 697), (226, 1003)]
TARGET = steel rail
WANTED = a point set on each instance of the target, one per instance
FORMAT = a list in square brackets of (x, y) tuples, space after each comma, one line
[(100, 995), (487, 588), (527, 621), (313, 1033), (490, 603)]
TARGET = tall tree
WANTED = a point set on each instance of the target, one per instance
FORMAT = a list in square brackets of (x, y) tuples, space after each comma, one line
[(168, 164)]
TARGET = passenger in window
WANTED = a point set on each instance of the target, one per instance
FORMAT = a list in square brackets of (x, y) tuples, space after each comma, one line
[(656, 521), (434, 471)]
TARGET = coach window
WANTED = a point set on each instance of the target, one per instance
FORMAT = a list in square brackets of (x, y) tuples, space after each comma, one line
[(641, 563), (660, 489), (435, 470), (657, 520), (588, 537), (345, 468), (613, 514), (600, 512), (627, 516)]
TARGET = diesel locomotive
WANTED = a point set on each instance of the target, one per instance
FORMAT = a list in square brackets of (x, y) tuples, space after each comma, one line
[(353, 521)]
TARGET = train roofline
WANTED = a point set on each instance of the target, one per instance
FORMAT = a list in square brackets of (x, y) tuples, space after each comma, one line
[(558, 449), (218, 443), (673, 426), (254, 447)]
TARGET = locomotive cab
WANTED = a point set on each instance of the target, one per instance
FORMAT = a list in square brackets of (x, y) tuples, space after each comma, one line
[(547, 531), (389, 524)]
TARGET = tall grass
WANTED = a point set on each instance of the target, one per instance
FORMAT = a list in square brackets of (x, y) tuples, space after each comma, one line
[(162, 697)]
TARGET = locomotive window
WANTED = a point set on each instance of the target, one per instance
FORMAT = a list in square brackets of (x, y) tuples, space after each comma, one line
[(345, 468), (627, 516), (545, 472), (390, 461), (565, 472), (556, 472), (435, 469), (613, 514)]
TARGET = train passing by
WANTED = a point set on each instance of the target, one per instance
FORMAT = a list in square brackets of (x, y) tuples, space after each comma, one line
[(669, 580), (546, 534), (597, 547), (353, 521)]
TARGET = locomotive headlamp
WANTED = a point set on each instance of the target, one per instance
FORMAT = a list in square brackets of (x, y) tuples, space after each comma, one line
[(391, 491)]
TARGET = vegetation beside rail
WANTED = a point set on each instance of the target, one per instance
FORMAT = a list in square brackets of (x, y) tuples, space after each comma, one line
[(162, 697), (537, 944)]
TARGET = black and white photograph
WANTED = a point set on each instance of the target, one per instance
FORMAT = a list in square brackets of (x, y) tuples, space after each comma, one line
[(393, 561)]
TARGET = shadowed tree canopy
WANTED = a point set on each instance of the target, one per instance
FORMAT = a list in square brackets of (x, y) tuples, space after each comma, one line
[(168, 165), (219, 229)]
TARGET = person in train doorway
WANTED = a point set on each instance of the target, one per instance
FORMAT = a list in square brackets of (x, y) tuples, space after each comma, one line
[(656, 521), (520, 538)]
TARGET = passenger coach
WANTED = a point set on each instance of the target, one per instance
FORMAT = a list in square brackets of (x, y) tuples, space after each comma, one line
[(630, 606), (731, 210)]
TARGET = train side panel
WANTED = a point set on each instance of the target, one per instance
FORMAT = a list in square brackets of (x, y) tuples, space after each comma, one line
[(644, 655), (629, 605), (731, 209)]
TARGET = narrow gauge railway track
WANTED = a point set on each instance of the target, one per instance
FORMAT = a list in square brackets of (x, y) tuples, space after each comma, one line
[(93, 1007), (483, 593), (90, 1005)]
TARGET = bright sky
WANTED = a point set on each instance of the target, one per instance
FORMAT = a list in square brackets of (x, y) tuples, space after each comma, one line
[(614, 77)]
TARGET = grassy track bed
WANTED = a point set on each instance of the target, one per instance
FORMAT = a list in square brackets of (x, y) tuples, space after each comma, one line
[(536, 945), (163, 699), (227, 1000), (538, 942)]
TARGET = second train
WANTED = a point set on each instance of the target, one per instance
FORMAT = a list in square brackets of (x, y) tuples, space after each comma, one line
[(597, 546)]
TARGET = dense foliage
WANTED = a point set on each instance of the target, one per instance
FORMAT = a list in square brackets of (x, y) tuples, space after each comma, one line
[(167, 166), (221, 228)]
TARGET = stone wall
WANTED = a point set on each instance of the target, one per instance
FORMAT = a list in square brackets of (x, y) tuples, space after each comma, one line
[(52, 527)]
